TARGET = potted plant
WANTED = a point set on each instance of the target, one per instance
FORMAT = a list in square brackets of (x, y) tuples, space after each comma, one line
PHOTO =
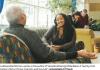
[(63, 6)]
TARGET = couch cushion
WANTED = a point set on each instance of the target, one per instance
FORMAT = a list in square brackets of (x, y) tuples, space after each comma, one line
[(40, 32)]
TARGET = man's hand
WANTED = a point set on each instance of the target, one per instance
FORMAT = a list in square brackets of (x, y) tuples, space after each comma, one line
[(86, 54)]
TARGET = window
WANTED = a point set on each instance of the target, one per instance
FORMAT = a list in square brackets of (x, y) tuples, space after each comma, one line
[(38, 15)]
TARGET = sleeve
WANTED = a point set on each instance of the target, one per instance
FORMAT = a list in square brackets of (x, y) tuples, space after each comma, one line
[(41, 52), (47, 38), (71, 43)]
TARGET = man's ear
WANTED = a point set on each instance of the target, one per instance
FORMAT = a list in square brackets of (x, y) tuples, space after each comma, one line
[(22, 19)]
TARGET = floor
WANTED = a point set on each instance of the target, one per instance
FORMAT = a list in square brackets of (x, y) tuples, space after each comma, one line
[(97, 60)]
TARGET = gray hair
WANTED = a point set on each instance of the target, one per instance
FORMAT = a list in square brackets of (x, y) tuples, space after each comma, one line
[(13, 12)]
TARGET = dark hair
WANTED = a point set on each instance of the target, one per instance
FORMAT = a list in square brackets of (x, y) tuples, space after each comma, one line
[(64, 15), (76, 13), (68, 29)]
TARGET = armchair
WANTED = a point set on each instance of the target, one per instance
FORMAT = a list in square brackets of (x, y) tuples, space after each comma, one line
[(87, 36)]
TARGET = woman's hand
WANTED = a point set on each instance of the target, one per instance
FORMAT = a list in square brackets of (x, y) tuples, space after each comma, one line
[(56, 47), (86, 54)]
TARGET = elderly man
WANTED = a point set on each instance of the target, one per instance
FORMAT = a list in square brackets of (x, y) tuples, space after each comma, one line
[(40, 52)]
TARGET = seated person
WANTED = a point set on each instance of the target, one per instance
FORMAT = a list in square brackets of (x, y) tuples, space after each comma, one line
[(77, 19), (40, 52), (62, 36)]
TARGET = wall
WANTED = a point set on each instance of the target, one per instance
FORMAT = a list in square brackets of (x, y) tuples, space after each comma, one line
[(93, 7)]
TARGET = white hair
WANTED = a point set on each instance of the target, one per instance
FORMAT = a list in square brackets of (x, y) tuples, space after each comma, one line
[(13, 12)]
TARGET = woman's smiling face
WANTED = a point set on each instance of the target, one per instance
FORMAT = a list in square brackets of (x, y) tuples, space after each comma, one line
[(60, 21)]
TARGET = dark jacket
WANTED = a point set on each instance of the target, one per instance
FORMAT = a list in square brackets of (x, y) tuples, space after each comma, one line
[(40, 52)]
